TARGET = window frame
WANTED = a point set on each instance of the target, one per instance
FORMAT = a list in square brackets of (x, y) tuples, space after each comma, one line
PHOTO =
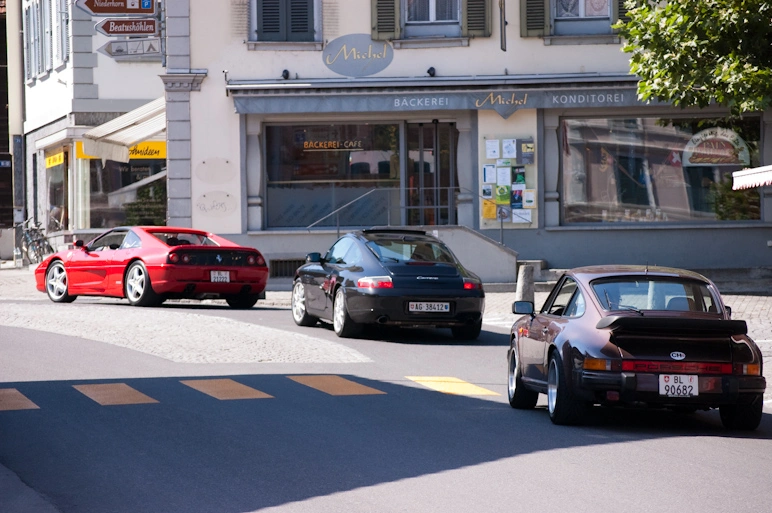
[(538, 19), (255, 43)]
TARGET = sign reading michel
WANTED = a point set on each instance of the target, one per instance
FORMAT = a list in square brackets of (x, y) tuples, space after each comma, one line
[(357, 55)]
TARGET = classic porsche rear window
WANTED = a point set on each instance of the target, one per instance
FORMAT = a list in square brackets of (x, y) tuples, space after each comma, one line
[(654, 294), (183, 239), (402, 250)]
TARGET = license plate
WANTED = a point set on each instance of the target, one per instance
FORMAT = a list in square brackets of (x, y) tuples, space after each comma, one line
[(428, 307), (220, 276), (678, 385)]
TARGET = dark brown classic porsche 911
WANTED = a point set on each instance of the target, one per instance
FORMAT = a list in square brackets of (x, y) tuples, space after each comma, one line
[(635, 335)]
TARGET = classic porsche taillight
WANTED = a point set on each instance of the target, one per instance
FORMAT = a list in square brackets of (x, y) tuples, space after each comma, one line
[(677, 367), (601, 364), (747, 369), (375, 282)]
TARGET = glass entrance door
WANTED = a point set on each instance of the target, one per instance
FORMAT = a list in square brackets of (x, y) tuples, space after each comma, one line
[(431, 183)]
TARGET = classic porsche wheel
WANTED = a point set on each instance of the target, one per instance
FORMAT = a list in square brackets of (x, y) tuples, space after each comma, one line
[(56, 283), (519, 397), (137, 286), (470, 332), (746, 417), (563, 408), (299, 313), (341, 321), (242, 302)]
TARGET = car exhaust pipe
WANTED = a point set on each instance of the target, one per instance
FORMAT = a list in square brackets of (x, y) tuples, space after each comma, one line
[(382, 319)]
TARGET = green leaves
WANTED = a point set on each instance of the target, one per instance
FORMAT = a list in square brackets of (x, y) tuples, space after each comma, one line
[(701, 52)]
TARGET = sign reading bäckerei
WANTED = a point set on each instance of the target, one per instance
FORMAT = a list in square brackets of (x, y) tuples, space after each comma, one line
[(357, 55), (505, 102)]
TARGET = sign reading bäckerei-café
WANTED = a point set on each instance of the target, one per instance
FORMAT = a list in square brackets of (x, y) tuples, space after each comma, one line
[(505, 102)]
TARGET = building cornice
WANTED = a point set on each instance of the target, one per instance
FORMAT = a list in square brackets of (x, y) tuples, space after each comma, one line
[(183, 80)]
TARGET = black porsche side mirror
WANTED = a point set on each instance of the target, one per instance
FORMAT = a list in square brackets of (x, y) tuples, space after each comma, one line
[(314, 257), (522, 308)]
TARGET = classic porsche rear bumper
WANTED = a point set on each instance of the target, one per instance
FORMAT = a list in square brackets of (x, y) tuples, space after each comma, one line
[(714, 390)]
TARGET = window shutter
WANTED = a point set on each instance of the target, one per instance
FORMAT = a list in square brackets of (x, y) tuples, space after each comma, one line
[(270, 21), (619, 12), (534, 18), (301, 20), (27, 55), (476, 18), (386, 19)]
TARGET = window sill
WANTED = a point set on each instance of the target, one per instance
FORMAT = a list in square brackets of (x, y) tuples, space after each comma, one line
[(596, 39), (308, 46), (430, 42)]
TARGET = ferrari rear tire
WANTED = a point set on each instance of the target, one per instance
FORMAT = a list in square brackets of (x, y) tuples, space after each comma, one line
[(137, 286), (746, 417), (341, 321), (299, 313), (563, 407), (519, 397), (470, 332), (56, 283), (242, 302)]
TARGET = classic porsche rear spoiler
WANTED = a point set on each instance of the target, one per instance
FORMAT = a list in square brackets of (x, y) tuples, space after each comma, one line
[(715, 327)]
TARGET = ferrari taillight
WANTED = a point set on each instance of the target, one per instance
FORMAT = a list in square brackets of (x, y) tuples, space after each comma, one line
[(375, 282), (174, 258), (185, 259), (256, 260), (251, 260)]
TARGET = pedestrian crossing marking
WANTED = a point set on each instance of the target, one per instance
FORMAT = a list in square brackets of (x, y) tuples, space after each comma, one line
[(225, 389), (12, 399), (114, 394), (448, 385), (335, 385)]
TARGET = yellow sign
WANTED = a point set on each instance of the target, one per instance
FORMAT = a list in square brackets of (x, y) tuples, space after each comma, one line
[(143, 150), (55, 160), (489, 209)]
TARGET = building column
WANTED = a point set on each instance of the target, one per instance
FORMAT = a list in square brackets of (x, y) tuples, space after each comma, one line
[(466, 163)]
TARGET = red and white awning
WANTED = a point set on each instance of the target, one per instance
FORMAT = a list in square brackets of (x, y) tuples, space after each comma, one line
[(751, 178)]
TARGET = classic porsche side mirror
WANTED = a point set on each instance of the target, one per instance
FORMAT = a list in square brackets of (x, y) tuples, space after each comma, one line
[(728, 310), (314, 257), (522, 307)]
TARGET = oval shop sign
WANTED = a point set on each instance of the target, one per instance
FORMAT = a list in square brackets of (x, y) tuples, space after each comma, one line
[(357, 55)]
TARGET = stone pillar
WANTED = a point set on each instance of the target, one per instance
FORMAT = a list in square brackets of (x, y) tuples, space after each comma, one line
[(524, 290), (466, 164)]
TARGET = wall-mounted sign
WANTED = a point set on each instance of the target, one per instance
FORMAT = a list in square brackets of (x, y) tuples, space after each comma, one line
[(716, 147), (143, 150), (54, 160), (357, 55), (117, 7), (132, 48), (127, 27)]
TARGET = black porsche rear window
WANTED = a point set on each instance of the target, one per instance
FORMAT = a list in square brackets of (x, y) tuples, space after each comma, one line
[(410, 249)]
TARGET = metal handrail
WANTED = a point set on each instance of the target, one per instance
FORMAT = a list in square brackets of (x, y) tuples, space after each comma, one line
[(341, 208)]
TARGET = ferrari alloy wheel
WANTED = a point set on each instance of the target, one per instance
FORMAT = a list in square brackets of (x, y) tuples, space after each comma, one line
[(56, 283), (242, 302), (137, 286), (470, 332), (563, 408), (341, 321), (299, 313), (746, 417), (519, 397)]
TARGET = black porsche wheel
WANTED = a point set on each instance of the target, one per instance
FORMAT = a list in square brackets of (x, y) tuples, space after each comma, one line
[(56, 283), (519, 397), (746, 417), (242, 302), (299, 313), (470, 332), (138, 288), (563, 408), (341, 321)]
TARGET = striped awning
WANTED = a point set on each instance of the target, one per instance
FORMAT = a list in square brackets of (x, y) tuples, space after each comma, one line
[(752, 178), (112, 140)]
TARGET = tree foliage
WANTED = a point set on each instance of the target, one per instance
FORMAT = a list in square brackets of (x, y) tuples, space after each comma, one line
[(692, 53)]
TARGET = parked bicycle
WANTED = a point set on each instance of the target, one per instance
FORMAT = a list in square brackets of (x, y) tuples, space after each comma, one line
[(35, 245)]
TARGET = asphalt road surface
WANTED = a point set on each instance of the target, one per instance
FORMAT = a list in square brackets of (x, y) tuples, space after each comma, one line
[(199, 408)]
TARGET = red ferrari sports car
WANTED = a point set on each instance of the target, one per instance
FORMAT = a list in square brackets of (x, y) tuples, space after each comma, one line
[(150, 264)]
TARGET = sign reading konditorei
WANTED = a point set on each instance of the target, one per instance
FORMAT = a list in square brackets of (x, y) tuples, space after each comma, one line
[(357, 55), (117, 7)]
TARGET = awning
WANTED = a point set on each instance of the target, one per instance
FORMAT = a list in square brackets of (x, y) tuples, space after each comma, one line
[(112, 140), (751, 178)]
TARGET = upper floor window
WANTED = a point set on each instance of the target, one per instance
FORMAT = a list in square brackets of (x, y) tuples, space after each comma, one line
[(402, 20), (547, 18), (46, 36), (284, 20)]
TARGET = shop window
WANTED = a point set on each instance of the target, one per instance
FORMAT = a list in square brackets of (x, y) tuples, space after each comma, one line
[(313, 170), (427, 20), (284, 20), (657, 170), (567, 18)]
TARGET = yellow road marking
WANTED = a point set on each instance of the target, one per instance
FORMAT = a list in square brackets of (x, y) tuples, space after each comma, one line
[(335, 385), (448, 385), (225, 389), (12, 399), (113, 393)]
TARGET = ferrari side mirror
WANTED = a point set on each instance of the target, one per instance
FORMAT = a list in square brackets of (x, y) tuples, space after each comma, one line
[(78, 243)]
